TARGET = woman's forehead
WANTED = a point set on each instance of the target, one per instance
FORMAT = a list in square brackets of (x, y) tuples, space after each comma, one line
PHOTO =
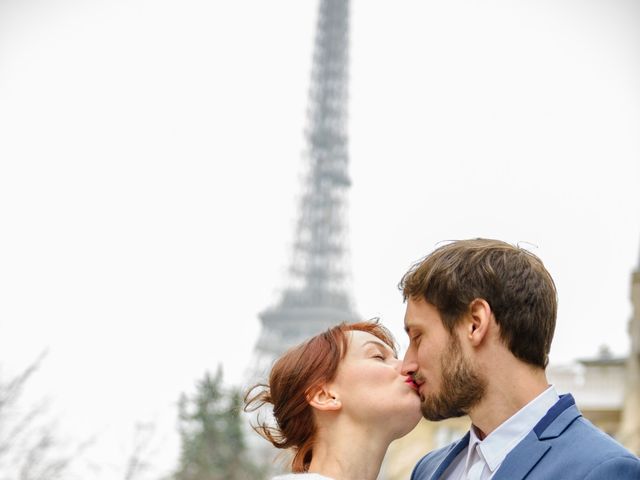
[(359, 340)]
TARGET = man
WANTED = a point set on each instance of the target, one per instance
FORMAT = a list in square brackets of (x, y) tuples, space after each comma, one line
[(480, 318)]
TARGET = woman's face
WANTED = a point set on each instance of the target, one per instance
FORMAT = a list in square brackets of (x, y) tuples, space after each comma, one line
[(371, 388)]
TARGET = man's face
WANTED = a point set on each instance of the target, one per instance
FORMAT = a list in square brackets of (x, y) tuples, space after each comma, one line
[(448, 383)]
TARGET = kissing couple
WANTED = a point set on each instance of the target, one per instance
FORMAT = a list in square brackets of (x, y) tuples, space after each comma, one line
[(480, 318)]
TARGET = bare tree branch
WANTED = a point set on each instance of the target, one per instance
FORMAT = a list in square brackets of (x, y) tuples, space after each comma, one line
[(138, 461), (29, 447)]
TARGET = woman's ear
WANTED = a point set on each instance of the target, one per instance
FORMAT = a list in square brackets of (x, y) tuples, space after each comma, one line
[(324, 399)]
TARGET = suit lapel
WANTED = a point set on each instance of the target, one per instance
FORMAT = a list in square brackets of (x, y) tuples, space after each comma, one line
[(522, 458), (453, 453), (534, 446)]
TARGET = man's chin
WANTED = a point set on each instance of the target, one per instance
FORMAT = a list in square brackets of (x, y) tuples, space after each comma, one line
[(441, 412)]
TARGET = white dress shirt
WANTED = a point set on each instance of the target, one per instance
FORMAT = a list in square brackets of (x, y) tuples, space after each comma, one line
[(481, 458)]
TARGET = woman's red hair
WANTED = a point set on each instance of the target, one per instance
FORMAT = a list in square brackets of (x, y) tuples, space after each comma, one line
[(294, 378)]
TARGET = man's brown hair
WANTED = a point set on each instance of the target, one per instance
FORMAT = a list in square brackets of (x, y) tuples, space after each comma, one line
[(513, 281)]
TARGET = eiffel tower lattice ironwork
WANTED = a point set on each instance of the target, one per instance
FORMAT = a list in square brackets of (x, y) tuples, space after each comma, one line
[(316, 296)]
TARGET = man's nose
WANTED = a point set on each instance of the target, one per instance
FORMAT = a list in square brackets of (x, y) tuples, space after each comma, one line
[(409, 364)]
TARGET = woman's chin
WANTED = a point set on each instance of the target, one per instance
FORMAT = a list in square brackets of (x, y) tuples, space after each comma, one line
[(409, 421)]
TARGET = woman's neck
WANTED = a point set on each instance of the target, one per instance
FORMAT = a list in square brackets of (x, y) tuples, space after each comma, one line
[(349, 453)]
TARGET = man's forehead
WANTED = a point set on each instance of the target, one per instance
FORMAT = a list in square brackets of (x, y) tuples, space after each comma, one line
[(410, 310), (409, 321), (419, 313)]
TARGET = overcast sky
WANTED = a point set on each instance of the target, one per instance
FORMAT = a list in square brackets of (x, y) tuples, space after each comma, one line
[(150, 161)]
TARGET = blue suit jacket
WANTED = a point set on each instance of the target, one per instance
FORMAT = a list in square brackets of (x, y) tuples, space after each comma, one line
[(563, 446)]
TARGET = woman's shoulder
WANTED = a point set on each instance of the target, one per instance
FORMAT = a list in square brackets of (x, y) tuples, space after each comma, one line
[(301, 476)]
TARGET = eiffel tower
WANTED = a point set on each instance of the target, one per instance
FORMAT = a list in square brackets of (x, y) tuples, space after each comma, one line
[(316, 296)]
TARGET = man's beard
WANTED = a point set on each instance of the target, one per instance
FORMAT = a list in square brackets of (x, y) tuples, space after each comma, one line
[(462, 386)]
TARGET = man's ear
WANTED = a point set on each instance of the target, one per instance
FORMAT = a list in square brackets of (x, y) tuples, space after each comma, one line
[(324, 399), (479, 323)]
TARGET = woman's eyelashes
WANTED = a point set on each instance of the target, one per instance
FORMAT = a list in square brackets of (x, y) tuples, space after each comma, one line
[(384, 356), (375, 352)]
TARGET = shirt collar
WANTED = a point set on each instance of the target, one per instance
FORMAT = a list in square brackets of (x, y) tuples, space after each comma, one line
[(495, 447)]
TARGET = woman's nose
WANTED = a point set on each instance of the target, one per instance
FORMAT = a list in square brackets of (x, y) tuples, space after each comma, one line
[(397, 364)]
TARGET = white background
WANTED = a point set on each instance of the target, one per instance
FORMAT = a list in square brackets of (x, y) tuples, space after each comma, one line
[(150, 159)]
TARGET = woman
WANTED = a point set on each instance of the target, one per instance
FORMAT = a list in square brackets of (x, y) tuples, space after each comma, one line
[(338, 400)]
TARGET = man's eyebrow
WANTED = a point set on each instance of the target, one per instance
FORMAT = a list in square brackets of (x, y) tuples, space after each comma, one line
[(411, 326)]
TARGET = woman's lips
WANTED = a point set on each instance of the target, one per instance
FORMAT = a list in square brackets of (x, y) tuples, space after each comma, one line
[(409, 381)]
